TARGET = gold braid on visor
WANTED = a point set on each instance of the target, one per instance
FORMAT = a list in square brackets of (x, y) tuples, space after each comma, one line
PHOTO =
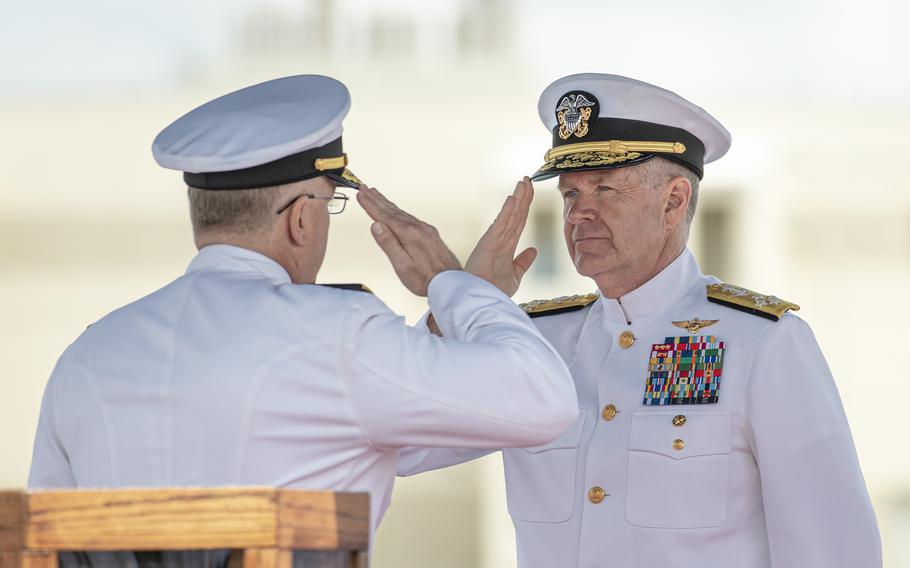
[(615, 147)]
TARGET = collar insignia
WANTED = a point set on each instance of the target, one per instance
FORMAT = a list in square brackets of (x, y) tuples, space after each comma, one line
[(573, 113), (695, 325)]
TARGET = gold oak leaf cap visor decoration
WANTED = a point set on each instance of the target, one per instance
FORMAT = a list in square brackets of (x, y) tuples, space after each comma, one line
[(601, 121), (269, 134)]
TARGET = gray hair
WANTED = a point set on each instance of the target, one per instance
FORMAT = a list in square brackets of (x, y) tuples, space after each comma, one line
[(236, 210), (658, 171)]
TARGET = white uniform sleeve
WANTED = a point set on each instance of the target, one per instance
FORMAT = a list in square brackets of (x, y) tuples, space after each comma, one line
[(50, 467), (412, 461), (817, 508), (493, 381)]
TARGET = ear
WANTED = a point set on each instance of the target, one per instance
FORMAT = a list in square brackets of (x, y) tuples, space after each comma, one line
[(298, 228), (677, 194)]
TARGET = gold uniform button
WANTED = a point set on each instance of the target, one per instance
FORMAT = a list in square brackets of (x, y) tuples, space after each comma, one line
[(679, 420), (596, 494), (679, 444), (609, 412), (626, 339)]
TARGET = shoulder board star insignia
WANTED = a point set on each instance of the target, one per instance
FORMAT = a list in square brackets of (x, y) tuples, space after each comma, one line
[(538, 308), (355, 287), (694, 325), (770, 307)]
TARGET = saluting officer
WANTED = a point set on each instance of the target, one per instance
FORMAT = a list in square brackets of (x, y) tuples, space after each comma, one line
[(243, 372), (711, 432)]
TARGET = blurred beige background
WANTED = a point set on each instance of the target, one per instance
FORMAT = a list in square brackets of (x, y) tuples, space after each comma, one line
[(812, 203)]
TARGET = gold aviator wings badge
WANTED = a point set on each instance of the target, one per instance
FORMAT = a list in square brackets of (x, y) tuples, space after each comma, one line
[(695, 325)]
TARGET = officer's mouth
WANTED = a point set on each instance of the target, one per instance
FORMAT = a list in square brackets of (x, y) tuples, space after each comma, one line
[(587, 242)]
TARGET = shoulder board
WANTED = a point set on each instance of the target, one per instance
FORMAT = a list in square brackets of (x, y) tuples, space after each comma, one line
[(539, 308), (770, 307), (355, 287)]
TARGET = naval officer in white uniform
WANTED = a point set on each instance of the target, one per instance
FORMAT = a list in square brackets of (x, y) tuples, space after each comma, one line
[(712, 434), (242, 371)]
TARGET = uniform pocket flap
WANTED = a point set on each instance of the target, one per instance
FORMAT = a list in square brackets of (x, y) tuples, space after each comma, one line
[(566, 440), (681, 434)]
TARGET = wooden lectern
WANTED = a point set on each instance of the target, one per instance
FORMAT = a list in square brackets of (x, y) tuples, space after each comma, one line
[(262, 526)]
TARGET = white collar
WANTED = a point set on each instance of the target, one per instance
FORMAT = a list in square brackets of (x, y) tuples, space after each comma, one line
[(229, 258), (657, 294)]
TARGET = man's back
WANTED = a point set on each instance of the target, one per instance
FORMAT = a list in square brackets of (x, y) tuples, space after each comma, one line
[(169, 389), (231, 375)]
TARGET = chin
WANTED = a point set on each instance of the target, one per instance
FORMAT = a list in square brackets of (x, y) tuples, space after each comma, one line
[(589, 266)]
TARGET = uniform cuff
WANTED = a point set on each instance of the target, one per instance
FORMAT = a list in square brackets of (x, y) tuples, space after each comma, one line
[(454, 294)]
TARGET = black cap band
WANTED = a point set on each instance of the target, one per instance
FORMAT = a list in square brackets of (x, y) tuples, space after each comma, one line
[(604, 129), (607, 143), (295, 167)]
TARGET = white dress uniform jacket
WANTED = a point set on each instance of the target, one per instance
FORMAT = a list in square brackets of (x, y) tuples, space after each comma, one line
[(232, 375), (766, 477)]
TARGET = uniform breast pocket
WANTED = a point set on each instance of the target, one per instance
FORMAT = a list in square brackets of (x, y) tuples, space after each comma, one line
[(679, 466), (540, 480)]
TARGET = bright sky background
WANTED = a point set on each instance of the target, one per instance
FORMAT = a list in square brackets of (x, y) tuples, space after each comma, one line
[(836, 50)]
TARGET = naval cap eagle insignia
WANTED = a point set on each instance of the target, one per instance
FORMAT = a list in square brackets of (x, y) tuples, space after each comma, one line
[(573, 113)]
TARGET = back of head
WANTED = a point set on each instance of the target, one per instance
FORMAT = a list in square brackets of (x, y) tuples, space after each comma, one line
[(241, 212), (241, 154)]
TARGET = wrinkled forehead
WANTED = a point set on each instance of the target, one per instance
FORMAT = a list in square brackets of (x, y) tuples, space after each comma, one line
[(613, 177)]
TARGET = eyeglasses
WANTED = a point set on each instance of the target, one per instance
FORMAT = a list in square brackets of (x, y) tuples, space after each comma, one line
[(335, 206)]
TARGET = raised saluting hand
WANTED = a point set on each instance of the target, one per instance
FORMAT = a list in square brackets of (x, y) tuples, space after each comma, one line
[(415, 249), (493, 259)]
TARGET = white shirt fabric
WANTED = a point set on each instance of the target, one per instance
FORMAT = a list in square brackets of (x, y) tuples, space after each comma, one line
[(768, 477), (232, 375)]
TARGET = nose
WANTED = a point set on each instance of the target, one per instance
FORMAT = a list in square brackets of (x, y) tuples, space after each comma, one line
[(581, 209)]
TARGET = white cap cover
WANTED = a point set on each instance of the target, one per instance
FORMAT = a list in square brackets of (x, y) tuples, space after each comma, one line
[(624, 121), (290, 122)]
